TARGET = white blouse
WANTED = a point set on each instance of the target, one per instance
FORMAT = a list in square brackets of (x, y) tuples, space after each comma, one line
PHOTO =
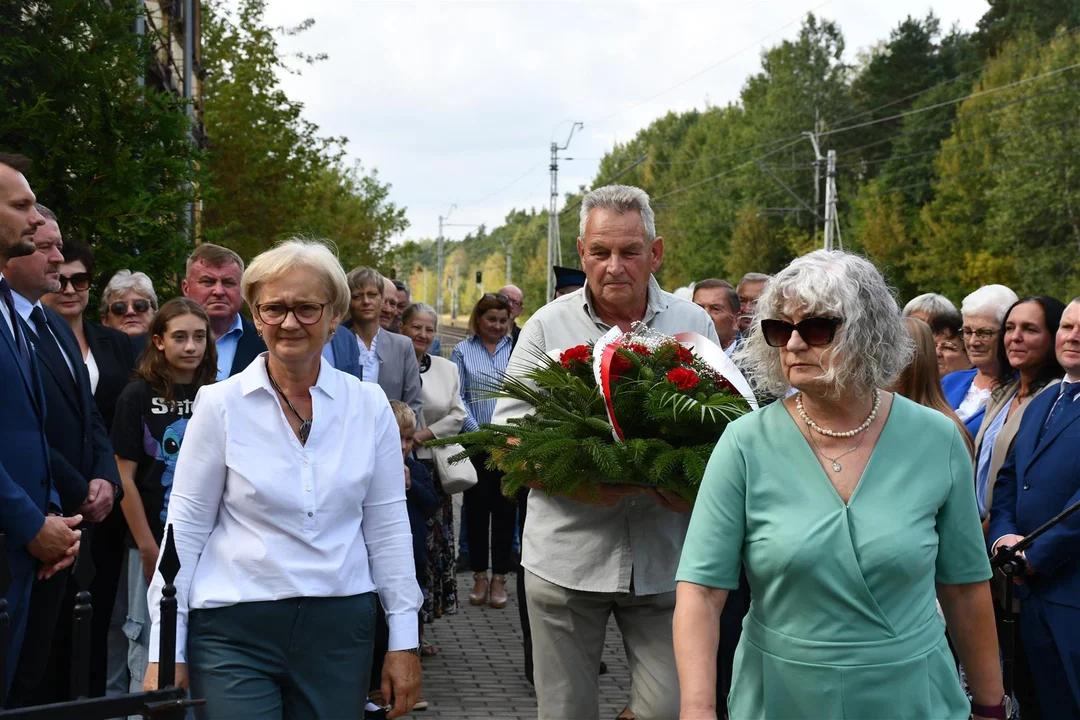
[(257, 516), (92, 370)]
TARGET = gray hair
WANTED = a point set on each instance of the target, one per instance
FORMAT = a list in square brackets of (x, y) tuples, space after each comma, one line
[(125, 281), (872, 346), (288, 255), (46, 213), (989, 300), (621, 199), (753, 277), (929, 304), (419, 309), (362, 277)]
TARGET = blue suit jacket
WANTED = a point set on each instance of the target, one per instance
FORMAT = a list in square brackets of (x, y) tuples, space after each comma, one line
[(956, 385), (1040, 478), (26, 490)]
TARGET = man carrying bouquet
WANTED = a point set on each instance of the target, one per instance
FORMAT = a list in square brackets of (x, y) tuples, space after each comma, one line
[(608, 548)]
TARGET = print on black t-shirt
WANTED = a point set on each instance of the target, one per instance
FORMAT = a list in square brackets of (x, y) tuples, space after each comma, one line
[(149, 431)]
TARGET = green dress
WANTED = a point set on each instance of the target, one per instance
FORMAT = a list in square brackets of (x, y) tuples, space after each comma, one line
[(843, 623)]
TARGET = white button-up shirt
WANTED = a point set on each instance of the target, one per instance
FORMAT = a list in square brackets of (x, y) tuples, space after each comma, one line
[(257, 516)]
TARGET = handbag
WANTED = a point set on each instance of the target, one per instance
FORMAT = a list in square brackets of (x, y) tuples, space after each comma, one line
[(455, 477)]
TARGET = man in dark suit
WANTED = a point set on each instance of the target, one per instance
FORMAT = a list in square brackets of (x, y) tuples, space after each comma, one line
[(38, 540), (213, 280), (80, 454), (515, 299), (1040, 478)]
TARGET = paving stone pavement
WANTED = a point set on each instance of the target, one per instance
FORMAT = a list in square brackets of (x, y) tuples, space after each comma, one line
[(479, 671)]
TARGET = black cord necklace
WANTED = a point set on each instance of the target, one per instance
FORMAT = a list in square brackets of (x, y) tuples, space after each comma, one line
[(305, 425)]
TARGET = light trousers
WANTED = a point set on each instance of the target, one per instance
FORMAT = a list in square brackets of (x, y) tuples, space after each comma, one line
[(568, 629)]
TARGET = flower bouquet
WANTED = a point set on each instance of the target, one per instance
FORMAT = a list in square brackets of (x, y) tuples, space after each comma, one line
[(637, 408)]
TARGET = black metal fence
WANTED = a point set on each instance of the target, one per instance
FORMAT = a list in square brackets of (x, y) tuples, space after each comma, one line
[(167, 703)]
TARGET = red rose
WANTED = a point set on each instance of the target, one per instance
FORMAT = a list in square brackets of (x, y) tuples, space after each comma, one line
[(683, 355), (619, 365), (684, 378), (638, 349), (579, 353)]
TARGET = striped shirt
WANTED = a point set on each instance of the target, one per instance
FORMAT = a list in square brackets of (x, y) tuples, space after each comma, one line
[(478, 370)]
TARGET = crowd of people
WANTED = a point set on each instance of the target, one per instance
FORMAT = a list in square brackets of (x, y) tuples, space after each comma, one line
[(836, 562)]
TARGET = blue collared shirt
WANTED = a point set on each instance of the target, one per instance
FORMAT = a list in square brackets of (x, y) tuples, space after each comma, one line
[(226, 348), (986, 454), (478, 370)]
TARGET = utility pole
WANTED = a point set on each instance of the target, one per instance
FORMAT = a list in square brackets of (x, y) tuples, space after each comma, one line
[(832, 222), (439, 270), (554, 249)]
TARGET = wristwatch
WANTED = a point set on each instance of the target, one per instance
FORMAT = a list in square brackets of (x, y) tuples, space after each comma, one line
[(1002, 711)]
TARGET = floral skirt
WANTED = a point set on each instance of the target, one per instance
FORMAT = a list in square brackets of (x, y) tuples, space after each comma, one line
[(440, 596)]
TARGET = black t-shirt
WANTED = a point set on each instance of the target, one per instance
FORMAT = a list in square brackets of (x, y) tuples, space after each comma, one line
[(147, 430)]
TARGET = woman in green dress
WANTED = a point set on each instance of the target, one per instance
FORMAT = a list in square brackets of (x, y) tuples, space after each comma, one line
[(851, 508)]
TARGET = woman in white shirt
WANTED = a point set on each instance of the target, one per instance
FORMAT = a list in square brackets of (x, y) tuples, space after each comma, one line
[(288, 510)]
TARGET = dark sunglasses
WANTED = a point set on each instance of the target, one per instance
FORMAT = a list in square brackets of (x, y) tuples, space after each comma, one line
[(79, 282), (497, 297), (813, 331), (120, 307)]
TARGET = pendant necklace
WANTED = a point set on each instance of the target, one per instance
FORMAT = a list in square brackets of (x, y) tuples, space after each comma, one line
[(836, 467), (305, 425)]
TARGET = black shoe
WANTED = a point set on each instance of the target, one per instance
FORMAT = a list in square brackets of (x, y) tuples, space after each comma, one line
[(603, 668), (379, 714), (462, 562)]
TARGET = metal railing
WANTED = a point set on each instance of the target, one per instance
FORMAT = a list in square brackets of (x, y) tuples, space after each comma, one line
[(168, 703)]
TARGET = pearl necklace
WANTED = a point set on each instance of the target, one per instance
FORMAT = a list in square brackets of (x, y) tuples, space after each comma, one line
[(832, 433)]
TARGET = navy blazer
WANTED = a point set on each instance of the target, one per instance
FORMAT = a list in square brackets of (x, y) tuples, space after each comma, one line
[(114, 352), (249, 347), (80, 449), (956, 385), (26, 490), (1040, 478)]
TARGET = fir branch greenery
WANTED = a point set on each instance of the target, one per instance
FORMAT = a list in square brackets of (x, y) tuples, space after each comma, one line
[(670, 422)]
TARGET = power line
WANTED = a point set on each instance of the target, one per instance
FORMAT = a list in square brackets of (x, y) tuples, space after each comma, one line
[(963, 75), (974, 173), (728, 171), (507, 186), (975, 113), (951, 148), (709, 68), (970, 96)]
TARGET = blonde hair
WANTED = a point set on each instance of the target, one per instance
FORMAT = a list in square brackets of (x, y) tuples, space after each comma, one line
[(920, 381), (406, 418), (290, 254)]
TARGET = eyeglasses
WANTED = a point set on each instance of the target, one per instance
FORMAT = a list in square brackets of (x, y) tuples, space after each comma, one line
[(120, 307), (275, 313), (814, 331), (983, 334), (79, 282)]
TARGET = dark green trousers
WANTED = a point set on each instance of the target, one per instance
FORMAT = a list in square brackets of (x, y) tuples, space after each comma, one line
[(295, 659)]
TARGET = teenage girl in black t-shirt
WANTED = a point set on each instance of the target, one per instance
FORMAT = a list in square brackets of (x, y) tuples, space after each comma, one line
[(148, 429)]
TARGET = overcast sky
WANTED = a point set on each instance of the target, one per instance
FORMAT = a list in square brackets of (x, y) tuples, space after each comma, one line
[(458, 102)]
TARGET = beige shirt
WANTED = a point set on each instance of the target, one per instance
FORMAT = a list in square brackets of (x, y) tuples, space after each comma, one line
[(443, 409), (635, 544)]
